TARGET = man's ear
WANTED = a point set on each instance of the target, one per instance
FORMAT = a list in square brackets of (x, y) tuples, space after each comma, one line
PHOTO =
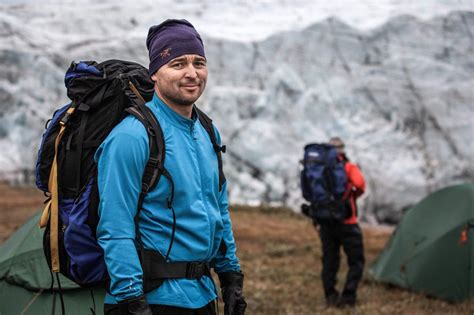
[(154, 78)]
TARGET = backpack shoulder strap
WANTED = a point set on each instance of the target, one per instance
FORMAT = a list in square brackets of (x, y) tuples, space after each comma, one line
[(155, 165), (328, 173), (208, 126)]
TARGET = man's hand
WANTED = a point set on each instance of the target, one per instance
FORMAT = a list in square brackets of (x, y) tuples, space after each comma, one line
[(234, 301), (306, 209), (135, 306)]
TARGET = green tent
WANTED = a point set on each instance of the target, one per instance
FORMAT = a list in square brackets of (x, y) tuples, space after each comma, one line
[(432, 249), (25, 279)]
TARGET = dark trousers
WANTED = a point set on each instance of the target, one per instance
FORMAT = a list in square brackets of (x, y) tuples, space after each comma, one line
[(209, 309), (333, 235)]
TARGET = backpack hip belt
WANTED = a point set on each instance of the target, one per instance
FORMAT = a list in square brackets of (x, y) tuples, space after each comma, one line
[(156, 269)]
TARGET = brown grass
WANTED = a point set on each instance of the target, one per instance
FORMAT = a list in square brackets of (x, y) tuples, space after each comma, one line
[(280, 254), (17, 204)]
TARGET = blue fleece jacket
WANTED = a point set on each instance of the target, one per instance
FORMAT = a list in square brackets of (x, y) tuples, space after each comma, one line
[(202, 215)]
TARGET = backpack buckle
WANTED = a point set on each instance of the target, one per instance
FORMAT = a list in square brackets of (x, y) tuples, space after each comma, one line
[(66, 116), (219, 148), (195, 270)]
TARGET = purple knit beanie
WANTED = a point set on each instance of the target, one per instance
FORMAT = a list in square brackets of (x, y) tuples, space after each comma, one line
[(171, 39)]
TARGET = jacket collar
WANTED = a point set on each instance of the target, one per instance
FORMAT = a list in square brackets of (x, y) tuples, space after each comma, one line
[(173, 117)]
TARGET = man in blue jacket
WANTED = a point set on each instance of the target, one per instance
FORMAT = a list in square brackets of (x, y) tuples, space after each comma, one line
[(201, 237)]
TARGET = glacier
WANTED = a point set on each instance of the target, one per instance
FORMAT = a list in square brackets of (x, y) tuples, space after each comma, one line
[(400, 94)]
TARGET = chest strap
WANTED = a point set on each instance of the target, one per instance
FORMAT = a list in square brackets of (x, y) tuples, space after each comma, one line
[(156, 269)]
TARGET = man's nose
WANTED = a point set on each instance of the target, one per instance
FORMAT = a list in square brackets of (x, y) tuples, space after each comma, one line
[(191, 71)]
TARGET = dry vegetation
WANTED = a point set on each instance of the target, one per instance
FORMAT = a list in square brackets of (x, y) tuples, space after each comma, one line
[(16, 206), (281, 256)]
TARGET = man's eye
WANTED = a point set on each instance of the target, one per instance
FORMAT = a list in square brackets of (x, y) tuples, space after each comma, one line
[(200, 64), (177, 65)]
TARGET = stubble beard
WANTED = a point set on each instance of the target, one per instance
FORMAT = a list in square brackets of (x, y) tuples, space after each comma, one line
[(180, 100)]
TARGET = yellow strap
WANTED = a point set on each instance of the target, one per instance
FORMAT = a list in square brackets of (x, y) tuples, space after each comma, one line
[(135, 91), (54, 202), (45, 216), (53, 219)]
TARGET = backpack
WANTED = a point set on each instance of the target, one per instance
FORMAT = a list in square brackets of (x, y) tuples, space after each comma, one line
[(323, 182), (101, 94)]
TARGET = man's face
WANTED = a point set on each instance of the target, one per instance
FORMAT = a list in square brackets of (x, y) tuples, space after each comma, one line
[(182, 80)]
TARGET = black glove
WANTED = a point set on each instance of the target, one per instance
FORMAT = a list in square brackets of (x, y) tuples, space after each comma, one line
[(231, 285), (306, 209), (135, 306)]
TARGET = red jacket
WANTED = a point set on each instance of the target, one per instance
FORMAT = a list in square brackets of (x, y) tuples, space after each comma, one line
[(355, 187)]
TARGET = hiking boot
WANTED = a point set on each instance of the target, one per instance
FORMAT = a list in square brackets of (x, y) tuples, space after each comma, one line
[(347, 301), (332, 299)]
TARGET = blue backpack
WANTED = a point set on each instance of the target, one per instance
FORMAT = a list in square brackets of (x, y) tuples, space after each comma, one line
[(323, 182), (101, 96)]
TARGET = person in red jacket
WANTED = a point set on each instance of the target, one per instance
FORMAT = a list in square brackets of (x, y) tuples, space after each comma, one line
[(347, 234)]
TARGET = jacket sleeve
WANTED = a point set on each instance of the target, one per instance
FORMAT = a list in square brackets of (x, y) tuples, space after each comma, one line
[(356, 179), (226, 260), (121, 160)]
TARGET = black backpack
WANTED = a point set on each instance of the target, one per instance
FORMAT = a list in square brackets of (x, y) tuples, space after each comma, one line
[(101, 94)]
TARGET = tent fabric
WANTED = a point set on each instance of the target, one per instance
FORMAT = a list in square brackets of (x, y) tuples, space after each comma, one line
[(425, 253), (22, 260), (25, 279), (17, 300)]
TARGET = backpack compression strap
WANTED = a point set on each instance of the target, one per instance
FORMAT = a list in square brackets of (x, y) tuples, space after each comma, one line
[(207, 124), (52, 207)]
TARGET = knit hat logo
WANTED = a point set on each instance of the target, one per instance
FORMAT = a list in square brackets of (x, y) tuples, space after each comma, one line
[(165, 53)]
